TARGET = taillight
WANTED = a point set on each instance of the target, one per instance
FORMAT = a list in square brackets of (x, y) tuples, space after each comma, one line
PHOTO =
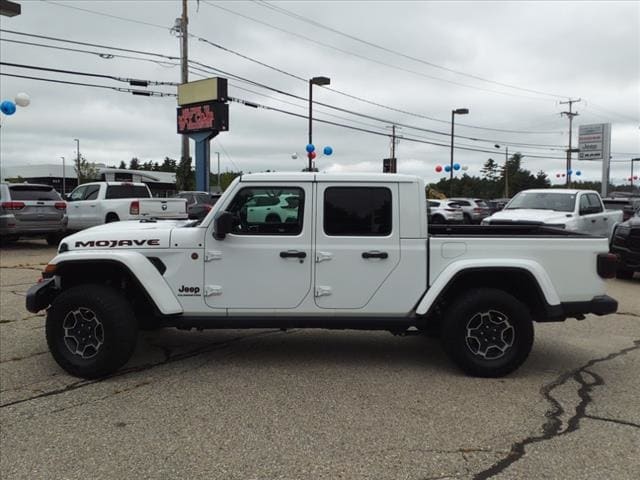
[(13, 205), (607, 265), (450, 210), (478, 210), (134, 208), (207, 207), (60, 205)]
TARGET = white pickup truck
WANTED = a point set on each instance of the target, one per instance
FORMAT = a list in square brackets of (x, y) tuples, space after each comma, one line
[(354, 253), (573, 210), (96, 203)]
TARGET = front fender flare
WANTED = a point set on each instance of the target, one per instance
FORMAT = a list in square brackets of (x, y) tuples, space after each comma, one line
[(138, 266)]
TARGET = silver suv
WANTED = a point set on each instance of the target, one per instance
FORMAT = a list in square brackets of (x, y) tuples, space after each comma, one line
[(31, 210), (473, 209), (444, 211)]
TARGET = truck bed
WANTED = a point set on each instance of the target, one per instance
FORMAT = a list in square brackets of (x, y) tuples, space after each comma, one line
[(524, 229)]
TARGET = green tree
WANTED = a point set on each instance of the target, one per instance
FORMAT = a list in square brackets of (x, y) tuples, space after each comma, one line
[(122, 165), (185, 176), (85, 171), (490, 170), (134, 164), (168, 165)]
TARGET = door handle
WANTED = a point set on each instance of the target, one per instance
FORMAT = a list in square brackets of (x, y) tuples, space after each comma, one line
[(375, 254), (593, 221), (293, 254)]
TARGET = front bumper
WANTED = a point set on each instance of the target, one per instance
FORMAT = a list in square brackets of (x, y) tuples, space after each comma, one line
[(600, 305), (40, 295)]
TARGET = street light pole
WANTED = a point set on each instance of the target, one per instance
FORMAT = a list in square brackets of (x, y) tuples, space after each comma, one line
[(312, 82), (459, 111), (63, 176), (77, 160), (632, 161), (506, 170)]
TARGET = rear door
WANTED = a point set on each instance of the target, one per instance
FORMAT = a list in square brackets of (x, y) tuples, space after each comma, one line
[(357, 242), (73, 207), (88, 208), (42, 205)]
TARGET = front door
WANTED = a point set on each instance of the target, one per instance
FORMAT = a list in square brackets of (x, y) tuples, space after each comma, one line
[(357, 243), (265, 263)]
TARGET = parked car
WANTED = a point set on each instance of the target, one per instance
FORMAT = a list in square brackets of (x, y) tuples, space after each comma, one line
[(575, 210), (96, 203), (31, 210), (474, 210), (198, 203), (444, 211), (625, 243), (628, 205), (497, 204)]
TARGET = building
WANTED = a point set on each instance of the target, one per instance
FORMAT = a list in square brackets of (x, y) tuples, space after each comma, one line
[(161, 184)]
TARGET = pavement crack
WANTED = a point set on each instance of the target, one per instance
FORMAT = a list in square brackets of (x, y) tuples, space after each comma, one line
[(12, 320), (630, 314), (553, 425), (140, 368), (613, 420), (17, 359)]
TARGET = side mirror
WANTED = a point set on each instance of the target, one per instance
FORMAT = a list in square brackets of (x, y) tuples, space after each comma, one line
[(222, 224)]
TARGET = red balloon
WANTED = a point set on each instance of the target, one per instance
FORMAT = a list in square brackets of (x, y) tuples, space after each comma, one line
[(438, 168), (630, 179), (557, 175), (563, 174), (312, 155), (635, 177)]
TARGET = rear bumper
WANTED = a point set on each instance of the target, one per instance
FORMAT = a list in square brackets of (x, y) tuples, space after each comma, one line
[(41, 295), (600, 305), (9, 225)]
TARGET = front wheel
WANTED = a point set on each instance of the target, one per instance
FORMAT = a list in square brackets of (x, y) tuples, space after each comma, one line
[(91, 330), (488, 332)]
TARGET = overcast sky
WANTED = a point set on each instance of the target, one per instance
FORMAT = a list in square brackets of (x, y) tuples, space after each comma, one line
[(509, 63)]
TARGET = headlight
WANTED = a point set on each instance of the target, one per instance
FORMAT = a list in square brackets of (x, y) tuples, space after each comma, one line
[(623, 230)]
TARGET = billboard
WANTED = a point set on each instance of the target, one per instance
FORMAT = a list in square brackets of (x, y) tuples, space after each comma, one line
[(594, 141)]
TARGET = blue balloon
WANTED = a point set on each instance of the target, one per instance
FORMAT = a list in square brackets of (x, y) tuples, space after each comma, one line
[(447, 168), (328, 150), (310, 148), (578, 173), (569, 172), (8, 107), (456, 166)]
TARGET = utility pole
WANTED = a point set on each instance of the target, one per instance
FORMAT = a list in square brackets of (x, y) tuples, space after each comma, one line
[(393, 141), (184, 66), (570, 114), (506, 172), (219, 187)]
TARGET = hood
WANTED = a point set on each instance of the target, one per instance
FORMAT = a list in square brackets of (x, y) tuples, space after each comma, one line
[(131, 234), (633, 222), (531, 215)]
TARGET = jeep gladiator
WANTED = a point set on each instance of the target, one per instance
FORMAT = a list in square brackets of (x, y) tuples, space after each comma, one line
[(353, 252)]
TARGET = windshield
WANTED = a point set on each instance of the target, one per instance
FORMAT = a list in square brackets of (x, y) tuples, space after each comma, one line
[(561, 202)]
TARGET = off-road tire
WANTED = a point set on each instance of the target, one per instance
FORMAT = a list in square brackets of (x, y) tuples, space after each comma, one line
[(118, 325), (487, 332)]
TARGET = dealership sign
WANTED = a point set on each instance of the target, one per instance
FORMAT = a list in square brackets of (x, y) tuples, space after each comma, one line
[(594, 141), (203, 117)]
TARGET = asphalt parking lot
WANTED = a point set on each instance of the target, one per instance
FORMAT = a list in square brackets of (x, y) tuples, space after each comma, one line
[(316, 404)]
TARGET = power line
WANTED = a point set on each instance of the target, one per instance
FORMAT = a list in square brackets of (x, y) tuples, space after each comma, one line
[(131, 81), (289, 13), (407, 70), (146, 93)]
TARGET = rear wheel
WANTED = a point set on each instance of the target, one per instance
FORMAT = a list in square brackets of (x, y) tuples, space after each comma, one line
[(91, 330), (467, 218), (112, 217), (488, 333), (437, 220), (272, 218)]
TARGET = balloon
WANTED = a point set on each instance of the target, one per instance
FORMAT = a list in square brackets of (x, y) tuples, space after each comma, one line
[(635, 177), (578, 173), (294, 156), (310, 148), (22, 99), (327, 150), (569, 172), (8, 107), (438, 168), (465, 168), (456, 166), (557, 175), (564, 175), (312, 155), (447, 168)]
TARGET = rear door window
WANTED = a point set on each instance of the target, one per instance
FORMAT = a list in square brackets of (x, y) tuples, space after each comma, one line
[(127, 191), (32, 192), (357, 211)]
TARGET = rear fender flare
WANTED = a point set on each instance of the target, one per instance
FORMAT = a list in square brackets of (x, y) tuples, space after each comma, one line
[(453, 270)]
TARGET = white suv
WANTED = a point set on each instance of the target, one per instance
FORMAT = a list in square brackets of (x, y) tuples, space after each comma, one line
[(444, 211)]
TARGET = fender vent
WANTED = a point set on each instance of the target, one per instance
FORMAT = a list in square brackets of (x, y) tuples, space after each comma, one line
[(160, 266)]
